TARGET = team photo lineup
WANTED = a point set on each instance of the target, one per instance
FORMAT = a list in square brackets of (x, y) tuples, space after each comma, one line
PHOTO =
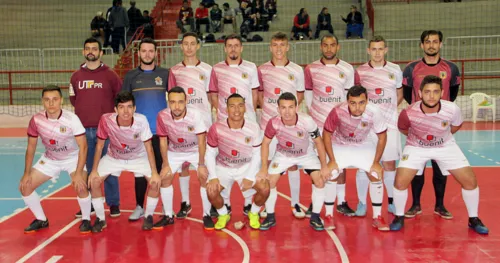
[(157, 123)]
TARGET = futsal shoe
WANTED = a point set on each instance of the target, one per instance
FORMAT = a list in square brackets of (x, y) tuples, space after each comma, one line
[(79, 213), (222, 221), (345, 209), (148, 223), (269, 222), (309, 211), (246, 209), (137, 214), (478, 226), (413, 211), (380, 224), (442, 212), (114, 211), (185, 210), (208, 223), (361, 210), (329, 223), (36, 225), (99, 225), (254, 220), (85, 227), (164, 221), (297, 212), (213, 212), (397, 223), (391, 209), (315, 222)]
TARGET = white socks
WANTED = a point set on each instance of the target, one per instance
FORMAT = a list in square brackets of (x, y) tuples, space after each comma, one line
[(167, 198), (271, 201), (377, 196), (98, 204), (204, 200), (32, 201), (184, 184), (400, 198), (255, 209), (85, 206), (389, 177), (318, 198), (340, 193), (151, 206), (331, 194), (362, 183), (294, 181), (471, 199)]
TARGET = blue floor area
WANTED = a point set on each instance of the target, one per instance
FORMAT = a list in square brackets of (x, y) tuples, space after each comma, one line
[(478, 146)]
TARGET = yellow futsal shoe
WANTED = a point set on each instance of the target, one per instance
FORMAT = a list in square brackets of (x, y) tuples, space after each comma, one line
[(222, 221), (254, 220)]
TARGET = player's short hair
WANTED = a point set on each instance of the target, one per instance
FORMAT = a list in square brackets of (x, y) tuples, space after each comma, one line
[(287, 96), (146, 12), (431, 79), (92, 40), (376, 39), (147, 40), (234, 95), (123, 97), (191, 34), (233, 36), (177, 89), (279, 36), (329, 36), (356, 91), (427, 33), (226, 5), (51, 88)]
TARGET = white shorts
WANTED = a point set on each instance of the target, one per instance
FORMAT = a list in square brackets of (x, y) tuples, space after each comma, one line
[(392, 151), (281, 163), (227, 176), (449, 157), (360, 157), (111, 166), (53, 168), (272, 148), (177, 160)]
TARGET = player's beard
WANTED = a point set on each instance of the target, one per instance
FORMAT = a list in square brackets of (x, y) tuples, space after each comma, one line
[(329, 58), (234, 57), (92, 59), (428, 105), (436, 52), (148, 62), (180, 114)]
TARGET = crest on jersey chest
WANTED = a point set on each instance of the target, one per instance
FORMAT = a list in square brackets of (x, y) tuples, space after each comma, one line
[(442, 74), (202, 77), (364, 124), (62, 129), (244, 75), (275, 165), (291, 77), (158, 81), (136, 136), (444, 123), (391, 76), (341, 75), (300, 134), (190, 128), (248, 139)]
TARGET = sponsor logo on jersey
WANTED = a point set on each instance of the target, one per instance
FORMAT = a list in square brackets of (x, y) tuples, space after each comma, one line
[(430, 137), (274, 165), (289, 144), (233, 90), (42, 162), (180, 140), (235, 153), (52, 142), (191, 92), (379, 91), (89, 84), (351, 134), (329, 90), (404, 157), (158, 81), (277, 91)]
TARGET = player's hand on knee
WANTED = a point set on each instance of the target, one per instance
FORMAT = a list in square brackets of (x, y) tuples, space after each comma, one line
[(213, 186), (333, 169), (325, 173), (166, 171), (261, 176), (94, 179), (376, 171), (155, 180), (78, 183), (202, 173)]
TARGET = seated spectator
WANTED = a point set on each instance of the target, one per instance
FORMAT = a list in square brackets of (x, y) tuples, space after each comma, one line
[(215, 18), (324, 22), (271, 6), (98, 25), (185, 17), (354, 22), (229, 17), (201, 16), (249, 19), (301, 25), (148, 24), (260, 15), (208, 3)]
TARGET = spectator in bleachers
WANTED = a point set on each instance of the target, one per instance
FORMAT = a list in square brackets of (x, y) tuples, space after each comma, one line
[(301, 25), (208, 3), (324, 22), (147, 22), (98, 26), (107, 32), (249, 19), (271, 7), (118, 21), (201, 16), (135, 19), (229, 17), (261, 16), (215, 18), (185, 17), (354, 22)]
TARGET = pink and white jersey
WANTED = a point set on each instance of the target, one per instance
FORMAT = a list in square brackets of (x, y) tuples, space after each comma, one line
[(293, 141), (235, 145), (349, 130), (182, 133), (125, 142), (58, 135), (194, 80), (228, 79), (276, 80), (430, 130), (329, 84), (382, 84)]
